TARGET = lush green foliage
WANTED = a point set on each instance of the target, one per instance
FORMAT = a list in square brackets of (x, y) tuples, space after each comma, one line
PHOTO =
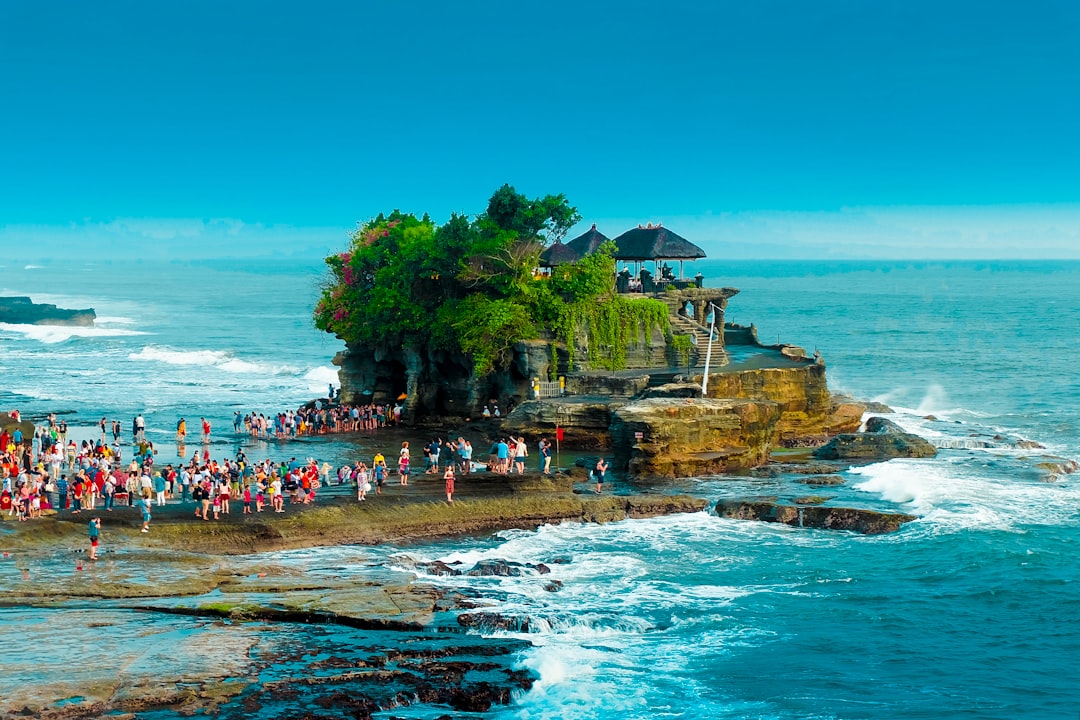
[(682, 346), (471, 286)]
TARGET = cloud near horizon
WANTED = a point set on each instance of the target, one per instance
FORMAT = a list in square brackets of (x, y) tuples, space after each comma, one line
[(1023, 232)]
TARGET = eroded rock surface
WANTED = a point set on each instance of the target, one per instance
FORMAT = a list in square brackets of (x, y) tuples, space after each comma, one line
[(882, 440)]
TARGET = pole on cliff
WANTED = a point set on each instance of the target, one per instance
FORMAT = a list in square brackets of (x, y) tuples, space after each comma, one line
[(708, 352)]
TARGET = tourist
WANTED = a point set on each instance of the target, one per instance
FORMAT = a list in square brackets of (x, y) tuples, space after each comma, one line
[(94, 532), (159, 485), (205, 430), (598, 474), (224, 494), (181, 431), (403, 463), (545, 456), (277, 500), (448, 476), (502, 457), (379, 470), (520, 453), (202, 500), (108, 490)]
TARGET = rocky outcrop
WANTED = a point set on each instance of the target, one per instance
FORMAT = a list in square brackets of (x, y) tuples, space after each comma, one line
[(24, 311), (867, 522), (882, 440), (585, 420), (684, 438), (434, 382), (808, 414)]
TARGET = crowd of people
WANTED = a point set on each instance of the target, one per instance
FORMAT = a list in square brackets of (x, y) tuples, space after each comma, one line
[(320, 419), (52, 472)]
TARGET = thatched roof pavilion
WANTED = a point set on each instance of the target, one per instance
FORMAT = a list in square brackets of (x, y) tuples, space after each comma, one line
[(587, 242), (655, 242), (558, 254)]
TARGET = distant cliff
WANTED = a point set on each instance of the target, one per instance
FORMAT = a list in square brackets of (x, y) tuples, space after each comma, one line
[(23, 311)]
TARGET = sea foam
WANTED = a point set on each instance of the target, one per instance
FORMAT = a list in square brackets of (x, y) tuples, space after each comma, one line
[(53, 334), (219, 359)]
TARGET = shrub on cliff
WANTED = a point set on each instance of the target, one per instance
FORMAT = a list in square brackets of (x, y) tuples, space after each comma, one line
[(471, 286)]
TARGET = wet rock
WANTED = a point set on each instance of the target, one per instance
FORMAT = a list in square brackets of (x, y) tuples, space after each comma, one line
[(823, 480), (496, 568), (812, 499), (876, 407), (553, 586), (1029, 445), (1053, 469), (867, 522), (882, 440), (494, 621), (438, 568)]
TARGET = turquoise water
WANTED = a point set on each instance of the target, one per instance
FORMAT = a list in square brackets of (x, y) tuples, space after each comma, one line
[(967, 612)]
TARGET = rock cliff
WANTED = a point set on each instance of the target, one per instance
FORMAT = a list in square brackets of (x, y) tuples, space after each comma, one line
[(808, 414), (667, 438)]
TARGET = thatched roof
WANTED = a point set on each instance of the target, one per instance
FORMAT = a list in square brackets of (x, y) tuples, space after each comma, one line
[(655, 242), (587, 242), (558, 254)]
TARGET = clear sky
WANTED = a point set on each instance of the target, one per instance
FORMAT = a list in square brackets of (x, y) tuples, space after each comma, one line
[(756, 128)]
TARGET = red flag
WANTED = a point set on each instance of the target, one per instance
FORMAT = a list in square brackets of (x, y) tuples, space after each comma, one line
[(558, 434)]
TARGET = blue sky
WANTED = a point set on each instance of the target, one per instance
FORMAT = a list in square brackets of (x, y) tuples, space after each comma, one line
[(849, 129)]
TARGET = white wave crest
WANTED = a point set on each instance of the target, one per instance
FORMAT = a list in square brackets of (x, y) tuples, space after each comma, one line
[(219, 359), (52, 334), (320, 378), (958, 497)]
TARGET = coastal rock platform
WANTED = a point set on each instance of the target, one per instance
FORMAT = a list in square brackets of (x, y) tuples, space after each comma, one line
[(24, 311)]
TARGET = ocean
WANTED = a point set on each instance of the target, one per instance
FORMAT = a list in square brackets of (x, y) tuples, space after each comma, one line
[(966, 612)]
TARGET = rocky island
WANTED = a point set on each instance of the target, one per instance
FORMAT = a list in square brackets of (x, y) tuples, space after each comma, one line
[(24, 311), (498, 316), (469, 316)]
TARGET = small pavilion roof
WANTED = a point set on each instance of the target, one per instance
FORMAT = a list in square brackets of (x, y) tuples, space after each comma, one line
[(655, 242), (587, 242), (558, 254)]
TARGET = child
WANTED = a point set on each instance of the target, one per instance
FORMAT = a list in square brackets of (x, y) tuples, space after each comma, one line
[(449, 477), (362, 485), (144, 505), (380, 476), (247, 499)]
